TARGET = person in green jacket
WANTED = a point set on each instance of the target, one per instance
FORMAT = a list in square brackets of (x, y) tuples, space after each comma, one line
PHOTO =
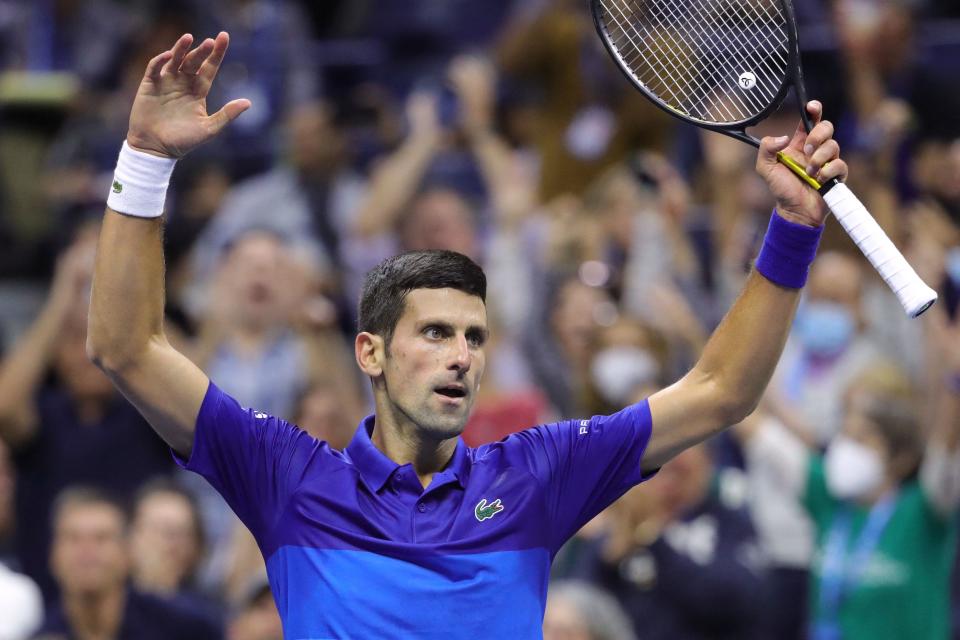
[(883, 501)]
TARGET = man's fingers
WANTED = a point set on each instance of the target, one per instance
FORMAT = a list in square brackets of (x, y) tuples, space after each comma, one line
[(835, 169), (228, 113), (155, 65), (210, 66), (192, 61), (827, 152), (815, 110), (767, 157), (817, 136), (179, 50)]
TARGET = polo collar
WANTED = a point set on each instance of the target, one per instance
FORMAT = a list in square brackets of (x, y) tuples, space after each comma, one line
[(376, 468)]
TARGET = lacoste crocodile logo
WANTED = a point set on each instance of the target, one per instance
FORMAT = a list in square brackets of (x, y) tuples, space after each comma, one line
[(117, 187), (486, 511)]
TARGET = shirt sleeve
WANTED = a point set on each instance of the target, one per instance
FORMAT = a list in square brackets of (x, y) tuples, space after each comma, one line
[(255, 461), (584, 465)]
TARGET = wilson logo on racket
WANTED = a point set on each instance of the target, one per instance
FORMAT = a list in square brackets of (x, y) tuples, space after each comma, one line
[(484, 511), (747, 80)]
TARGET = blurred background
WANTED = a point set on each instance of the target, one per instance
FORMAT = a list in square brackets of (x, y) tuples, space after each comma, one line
[(614, 240)]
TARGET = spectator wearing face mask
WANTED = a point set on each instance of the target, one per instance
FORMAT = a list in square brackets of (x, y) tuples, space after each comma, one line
[(826, 350), (626, 364), (883, 504)]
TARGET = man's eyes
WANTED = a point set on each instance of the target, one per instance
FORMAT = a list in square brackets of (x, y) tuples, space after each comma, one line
[(475, 340)]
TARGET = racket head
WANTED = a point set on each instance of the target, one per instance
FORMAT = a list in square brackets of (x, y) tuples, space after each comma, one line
[(677, 54)]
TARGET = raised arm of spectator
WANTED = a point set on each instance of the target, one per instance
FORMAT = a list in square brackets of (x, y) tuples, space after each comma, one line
[(125, 331), (726, 383), (22, 371), (396, 180)]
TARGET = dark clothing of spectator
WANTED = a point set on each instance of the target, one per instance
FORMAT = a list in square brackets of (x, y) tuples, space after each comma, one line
[(117, 454), (145, 617), (700, 579)]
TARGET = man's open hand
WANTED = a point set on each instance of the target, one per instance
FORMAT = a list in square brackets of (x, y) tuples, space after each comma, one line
[(169, 115)]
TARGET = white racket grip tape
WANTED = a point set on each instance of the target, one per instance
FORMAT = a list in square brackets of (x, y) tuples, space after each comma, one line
[(913, 293)]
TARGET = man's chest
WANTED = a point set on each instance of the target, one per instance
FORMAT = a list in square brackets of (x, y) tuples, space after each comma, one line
[(496, 511)]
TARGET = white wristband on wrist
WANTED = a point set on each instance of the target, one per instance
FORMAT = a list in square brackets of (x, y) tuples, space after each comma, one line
[(140, 183)]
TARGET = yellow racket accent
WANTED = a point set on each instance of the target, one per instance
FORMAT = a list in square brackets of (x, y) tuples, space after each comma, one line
[(788, 162)]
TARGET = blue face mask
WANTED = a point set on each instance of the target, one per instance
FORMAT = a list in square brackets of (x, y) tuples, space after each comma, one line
[(824, 328)]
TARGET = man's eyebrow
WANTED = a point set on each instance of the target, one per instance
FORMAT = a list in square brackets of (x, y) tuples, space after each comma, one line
[(448, 326), (483, 332)]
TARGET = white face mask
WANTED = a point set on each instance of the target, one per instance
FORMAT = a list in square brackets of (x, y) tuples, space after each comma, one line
[(618, 371), (853, 470)]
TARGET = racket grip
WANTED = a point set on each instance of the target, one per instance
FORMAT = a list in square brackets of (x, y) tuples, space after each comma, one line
[(913, 293)]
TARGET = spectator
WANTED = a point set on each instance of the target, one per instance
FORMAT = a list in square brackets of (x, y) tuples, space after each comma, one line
[(588, 117), (560, 356), (247, 328), (166, 540), (329, 412), (579, 611), (61, 416), (256, 617), (309, 198), (681, 554), (90, 561), (827, 349), (21, 606), (7, 514), (885, 532)]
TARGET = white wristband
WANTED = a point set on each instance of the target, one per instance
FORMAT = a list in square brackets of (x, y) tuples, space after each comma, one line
[(140, 183)]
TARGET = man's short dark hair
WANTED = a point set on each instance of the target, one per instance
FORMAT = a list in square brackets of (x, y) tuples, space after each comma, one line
[(386, 286)]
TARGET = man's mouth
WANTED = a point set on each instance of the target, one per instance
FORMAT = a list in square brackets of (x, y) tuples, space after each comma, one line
[(452, 391)]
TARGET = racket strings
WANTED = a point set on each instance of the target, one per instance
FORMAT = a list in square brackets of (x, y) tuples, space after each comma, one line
[(718, 61)]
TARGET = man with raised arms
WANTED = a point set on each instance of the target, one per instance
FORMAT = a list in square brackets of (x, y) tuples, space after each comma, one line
[(407, 532)]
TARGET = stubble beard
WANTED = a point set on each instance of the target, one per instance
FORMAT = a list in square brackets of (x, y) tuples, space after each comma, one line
[(434, 424)]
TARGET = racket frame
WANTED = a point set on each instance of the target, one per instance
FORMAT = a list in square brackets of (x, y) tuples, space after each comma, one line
[(793, 78)]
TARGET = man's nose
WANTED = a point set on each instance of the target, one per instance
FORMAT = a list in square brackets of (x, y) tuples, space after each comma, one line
[(461, 358)]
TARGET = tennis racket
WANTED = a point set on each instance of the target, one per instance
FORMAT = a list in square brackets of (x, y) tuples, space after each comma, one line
[(725, 65)]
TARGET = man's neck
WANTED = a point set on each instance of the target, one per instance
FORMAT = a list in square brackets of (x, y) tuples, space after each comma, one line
[(405, 443), (95, 616)]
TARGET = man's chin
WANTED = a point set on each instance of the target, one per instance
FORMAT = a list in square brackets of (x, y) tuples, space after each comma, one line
[(446, 424)]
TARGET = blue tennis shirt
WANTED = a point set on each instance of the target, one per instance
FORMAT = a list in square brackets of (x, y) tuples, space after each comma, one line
[(356, 548)]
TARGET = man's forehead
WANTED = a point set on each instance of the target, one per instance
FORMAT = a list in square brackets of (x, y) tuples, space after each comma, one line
[(447, 303)]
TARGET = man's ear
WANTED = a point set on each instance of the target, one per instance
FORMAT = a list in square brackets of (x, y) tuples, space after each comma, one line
[(370, 352)]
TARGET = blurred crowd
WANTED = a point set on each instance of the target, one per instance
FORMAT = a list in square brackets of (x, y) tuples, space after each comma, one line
[(613, 238)]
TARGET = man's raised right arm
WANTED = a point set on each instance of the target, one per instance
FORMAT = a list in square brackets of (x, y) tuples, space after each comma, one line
[(125, 332)]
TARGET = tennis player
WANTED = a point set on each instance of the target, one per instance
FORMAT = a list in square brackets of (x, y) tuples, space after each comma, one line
[(408, 533)]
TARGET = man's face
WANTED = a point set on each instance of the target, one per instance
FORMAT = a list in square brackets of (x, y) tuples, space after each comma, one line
[(89, 549), (435, 360)]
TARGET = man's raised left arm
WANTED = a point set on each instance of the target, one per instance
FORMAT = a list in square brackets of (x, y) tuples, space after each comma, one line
[(726, 383)]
